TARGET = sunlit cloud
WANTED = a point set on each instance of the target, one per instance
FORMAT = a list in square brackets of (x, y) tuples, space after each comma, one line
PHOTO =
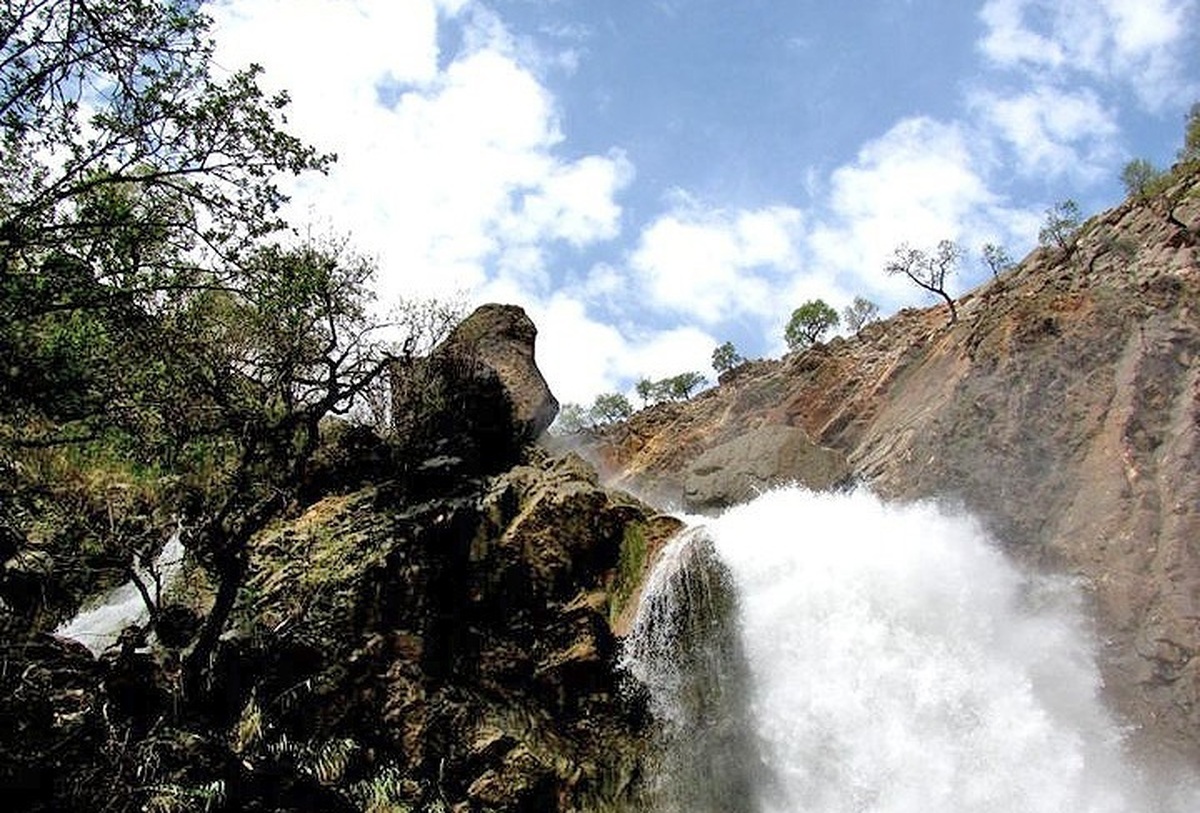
[(449, 166), (1052, 132), (714, 265), (918, 183), (1141, 43)]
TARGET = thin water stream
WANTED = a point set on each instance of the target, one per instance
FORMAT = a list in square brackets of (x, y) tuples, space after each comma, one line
[(100, 621)]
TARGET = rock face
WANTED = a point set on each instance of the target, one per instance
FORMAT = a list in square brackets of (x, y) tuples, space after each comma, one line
[(737, 470), (478, 399), (501, 339), (1063, 408), (458, 651)]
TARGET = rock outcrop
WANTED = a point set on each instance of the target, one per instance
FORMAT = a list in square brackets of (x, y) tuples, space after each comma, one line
[(479, 393), (461, 650), (762, 458), (500, 339), (1063, 408)]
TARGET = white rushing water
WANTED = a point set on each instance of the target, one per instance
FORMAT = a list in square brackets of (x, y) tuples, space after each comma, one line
[(891, 660), (100, 620)]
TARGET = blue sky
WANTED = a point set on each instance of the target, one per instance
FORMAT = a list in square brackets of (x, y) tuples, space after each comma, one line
[(649, 179)]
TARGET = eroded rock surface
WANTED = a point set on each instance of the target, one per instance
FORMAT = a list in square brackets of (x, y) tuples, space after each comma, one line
[(461, 649)]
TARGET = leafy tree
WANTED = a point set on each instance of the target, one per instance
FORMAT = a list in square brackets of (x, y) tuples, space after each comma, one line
[(115, 128), (860, 312), (647, 390), (1191, 136), (809, 322), (679, 387), (572, 418), (726, 357), (928, 271), (267, 361), (610, 407), (1139, 177), (996, 258), (1061, 223), (139, 305)]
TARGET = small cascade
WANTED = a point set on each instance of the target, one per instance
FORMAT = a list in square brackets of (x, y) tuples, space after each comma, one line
[(685, 649), (100, 621), (830, 653)]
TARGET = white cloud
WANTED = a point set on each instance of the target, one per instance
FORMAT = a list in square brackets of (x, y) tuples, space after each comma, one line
[(919, 184), (1009, 41), (1144, 43), (660, 354), (714, 265), (581, 356), (1052, 132), (458, 176)]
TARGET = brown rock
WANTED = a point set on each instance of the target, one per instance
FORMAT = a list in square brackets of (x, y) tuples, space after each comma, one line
[(739, 469)]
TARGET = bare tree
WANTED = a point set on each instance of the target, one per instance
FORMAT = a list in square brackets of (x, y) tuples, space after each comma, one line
[(928, 271), (995, 258)]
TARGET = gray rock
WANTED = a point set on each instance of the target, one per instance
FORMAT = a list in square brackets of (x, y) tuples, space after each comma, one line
[(740, 469)]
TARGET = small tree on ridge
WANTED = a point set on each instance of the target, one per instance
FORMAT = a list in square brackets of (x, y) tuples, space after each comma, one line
[(860, 312), (725, 358), (809, 322), (928, 271)]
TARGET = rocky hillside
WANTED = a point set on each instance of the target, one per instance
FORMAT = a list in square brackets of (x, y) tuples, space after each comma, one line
[(1063, 408)]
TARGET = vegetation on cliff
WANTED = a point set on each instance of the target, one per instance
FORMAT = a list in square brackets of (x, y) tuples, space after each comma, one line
[(368, 623)]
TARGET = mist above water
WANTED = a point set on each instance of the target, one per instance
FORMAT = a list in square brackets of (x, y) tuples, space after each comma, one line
[(882, 658)]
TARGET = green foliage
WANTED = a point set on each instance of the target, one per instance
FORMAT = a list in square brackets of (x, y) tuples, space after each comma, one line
[(649, 391), (1141, 178), (609, 408), (122, 144), (809, 322), (675, 388), (928, 270), (1061, 225), (572, 418), (860, 312), (1190, 151), (679, 387), (725, 358), (174, 798), (382, 792), (996, 258)]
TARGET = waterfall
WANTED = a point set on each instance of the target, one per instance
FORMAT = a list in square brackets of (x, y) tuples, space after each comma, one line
[(831, 653), (100, 621)]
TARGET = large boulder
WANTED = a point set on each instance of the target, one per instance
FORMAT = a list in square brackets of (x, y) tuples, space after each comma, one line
[(756, 461), (500, 339), (479, 396)]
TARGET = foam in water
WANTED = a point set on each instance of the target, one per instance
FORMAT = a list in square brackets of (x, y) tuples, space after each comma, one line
[(100, 621), (896, 662)]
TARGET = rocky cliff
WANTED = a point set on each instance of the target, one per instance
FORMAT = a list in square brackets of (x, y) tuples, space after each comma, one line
[(436, 633), (1063, 408)]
